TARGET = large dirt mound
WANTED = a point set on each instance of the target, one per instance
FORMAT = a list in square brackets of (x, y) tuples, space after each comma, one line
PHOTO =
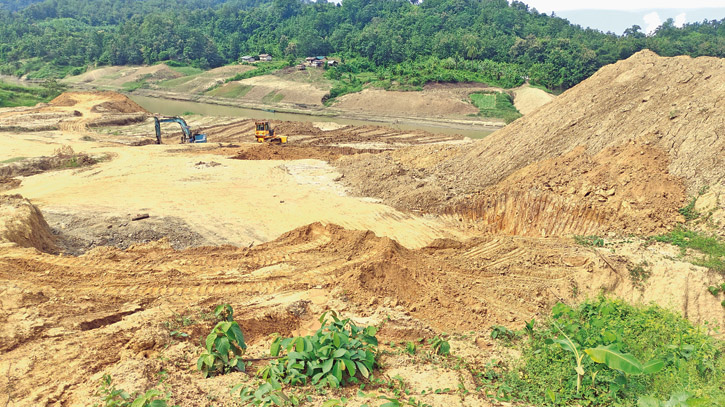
[(99, 102), (671, 108), (22, 224), (675, 104)]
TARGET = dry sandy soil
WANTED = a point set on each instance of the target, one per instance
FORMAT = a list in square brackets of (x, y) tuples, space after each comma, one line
[(89, 287)]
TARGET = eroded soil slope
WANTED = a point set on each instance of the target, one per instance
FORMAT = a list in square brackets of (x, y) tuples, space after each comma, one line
[(670, 108)]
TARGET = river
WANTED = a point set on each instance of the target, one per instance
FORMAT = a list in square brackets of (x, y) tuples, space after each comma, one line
[(178, 108)]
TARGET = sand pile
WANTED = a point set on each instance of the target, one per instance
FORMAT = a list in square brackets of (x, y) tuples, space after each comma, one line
[(670, 108), (22, 224)]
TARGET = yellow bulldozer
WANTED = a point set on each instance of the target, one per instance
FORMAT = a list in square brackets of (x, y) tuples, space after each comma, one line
[(264, 132)]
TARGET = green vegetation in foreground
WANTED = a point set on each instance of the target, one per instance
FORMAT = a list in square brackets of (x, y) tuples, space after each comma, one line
[(495, 105), (14, 95), (711, 249), (691, 363)]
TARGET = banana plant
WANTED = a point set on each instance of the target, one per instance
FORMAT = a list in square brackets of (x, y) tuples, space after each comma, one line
[(608, 355)]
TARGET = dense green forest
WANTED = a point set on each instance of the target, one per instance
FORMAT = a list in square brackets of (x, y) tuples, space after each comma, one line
[(396, 39)]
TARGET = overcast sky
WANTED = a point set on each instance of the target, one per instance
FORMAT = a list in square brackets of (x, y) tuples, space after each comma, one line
[(547, 6)]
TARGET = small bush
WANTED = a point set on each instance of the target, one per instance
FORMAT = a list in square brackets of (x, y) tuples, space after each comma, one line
[(224, 346)]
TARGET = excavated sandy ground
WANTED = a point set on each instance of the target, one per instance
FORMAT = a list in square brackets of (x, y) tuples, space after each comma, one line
[(274, 233)]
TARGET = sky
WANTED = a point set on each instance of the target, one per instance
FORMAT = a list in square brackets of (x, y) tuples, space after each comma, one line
[(617, 15), (548, 6)]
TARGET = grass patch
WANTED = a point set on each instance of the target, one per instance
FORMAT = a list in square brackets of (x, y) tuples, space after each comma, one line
[(12, 160), (172, 83), (187, 70), (231, 90), (272, 97), (692, 361), (497, 105), (710, 248), (260, 68), (484, 100), (137, 84), (15, 95), (592, 241)]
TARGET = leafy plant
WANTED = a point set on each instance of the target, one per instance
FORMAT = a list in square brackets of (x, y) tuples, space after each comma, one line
[(593, 240), (333, 356), (440, 345), (503, 333), (268, 394), (113, 397), (639, 273), (714, 290), (677, 399), (224, 346)]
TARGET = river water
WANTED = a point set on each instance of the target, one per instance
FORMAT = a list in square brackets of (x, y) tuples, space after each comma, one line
[(178, 108)]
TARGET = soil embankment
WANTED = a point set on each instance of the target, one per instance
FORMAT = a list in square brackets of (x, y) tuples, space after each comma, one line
[(635, 127)]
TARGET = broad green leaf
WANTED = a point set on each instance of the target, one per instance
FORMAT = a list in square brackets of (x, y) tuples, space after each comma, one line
[(336, 339), (327, 365), (299, 344), (337, 370), (262, 390), (238, 335), (350, 365), (339, 353), (274, 350), (445, 348), (653, 366), (331, 403), (210, 341), (551, 395), (565, 345), (223, 347), (614, 359), (157, 403), (363, 369)]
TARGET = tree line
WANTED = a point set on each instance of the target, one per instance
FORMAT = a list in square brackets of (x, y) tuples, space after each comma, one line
[(69, 35)]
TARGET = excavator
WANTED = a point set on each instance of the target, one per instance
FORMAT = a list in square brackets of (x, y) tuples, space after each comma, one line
[(264, 132), (187, 137)]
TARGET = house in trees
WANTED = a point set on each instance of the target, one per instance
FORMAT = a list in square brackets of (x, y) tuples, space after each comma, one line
[(248, 58), (265, 57)]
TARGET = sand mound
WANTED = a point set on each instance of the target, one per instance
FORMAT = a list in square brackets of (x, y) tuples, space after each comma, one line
[(429, 102), (22, 224), (670, 108), (106, 102), (672, 103), (528, 99)]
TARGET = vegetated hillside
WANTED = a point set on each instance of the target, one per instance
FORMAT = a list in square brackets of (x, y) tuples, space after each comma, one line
[(638, 123), (395, 41)]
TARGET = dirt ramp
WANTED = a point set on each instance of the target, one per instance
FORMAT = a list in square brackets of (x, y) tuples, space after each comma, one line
[(22, 224)]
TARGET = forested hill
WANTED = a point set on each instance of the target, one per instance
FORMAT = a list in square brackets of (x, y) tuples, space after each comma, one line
[(52, 37)]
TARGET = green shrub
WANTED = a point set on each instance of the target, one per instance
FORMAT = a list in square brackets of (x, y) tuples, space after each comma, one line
[(333, 356), (689, 359), (113, 397), (711, 248), (224, 346)]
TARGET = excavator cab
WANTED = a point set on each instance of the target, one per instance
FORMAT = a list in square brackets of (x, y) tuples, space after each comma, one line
[(264, 132)]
